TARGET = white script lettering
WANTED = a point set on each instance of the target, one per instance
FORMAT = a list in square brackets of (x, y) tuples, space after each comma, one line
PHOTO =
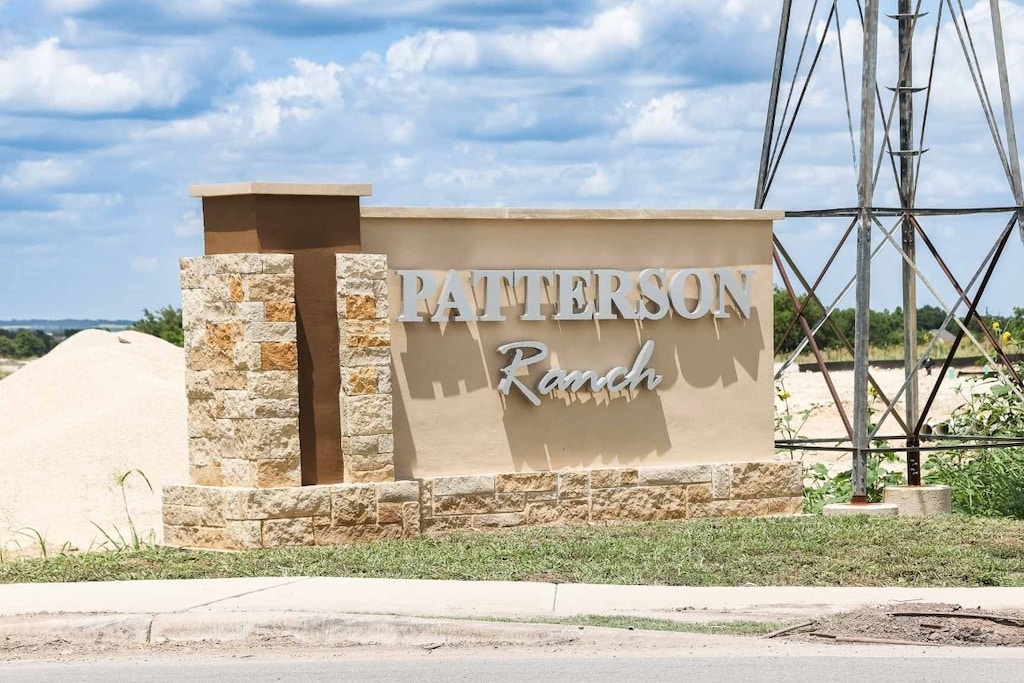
[(616, 379)]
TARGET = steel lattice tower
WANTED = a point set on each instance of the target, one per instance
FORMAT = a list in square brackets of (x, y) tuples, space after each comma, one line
[(904, 151)]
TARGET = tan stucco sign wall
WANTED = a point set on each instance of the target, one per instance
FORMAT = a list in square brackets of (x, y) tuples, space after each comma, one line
[(348, 369), (714, 399)]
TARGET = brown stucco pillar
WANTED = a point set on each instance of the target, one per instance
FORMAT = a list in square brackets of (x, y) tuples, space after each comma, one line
[(313, 222)]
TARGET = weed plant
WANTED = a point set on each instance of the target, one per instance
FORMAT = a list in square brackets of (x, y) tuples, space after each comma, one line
[(115, 538), (984, 482), (821, 487), (790, 423), (40, 540), (987, 483)]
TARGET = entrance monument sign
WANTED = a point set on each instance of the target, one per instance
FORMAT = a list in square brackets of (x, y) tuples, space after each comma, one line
[(357, 373)]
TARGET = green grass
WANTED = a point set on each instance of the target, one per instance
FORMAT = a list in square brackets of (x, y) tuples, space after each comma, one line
[(814, 551)]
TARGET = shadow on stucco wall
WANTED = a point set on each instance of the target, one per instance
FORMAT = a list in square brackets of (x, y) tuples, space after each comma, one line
[(580, 429)]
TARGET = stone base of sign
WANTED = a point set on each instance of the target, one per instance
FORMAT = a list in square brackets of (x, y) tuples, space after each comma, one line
[(244, 518), (920, 501), (234, 518), (873, 509)]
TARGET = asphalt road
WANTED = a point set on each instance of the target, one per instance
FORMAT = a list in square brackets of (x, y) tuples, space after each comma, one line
[(747, 669)]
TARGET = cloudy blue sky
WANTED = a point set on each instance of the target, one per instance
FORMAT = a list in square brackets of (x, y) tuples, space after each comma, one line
[(110, 109)]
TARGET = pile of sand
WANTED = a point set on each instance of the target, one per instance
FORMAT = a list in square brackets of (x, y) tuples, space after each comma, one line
[(71, 423)]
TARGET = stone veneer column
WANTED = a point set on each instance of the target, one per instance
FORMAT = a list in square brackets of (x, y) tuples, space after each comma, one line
[(238, 311), (367, 439)]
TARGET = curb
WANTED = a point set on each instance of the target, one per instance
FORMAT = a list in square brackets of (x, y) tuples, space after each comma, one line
[(317, 628), (95, 628), (308, 628)]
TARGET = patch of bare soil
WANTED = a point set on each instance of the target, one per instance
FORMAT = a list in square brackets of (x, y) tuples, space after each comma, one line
[(919, 623), (615, 643)]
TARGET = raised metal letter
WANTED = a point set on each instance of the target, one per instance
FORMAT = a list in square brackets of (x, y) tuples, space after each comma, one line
[(411, 294), (518, 363), (571, 296), (454, 296)]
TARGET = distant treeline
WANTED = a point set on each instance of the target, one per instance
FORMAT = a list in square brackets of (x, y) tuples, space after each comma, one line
[(885, 328), (21, 339), (32, 343), (59, 326)]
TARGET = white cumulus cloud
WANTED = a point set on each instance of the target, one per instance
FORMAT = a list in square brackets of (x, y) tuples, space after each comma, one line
[(608, 34), (662, 119), (293, 97), (559, 50), (441, 50), (599, 184), (47, 77), (39, 174)]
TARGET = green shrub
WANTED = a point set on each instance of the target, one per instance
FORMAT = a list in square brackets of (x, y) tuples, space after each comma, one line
[(25, 343), (987, 483), (165, 323), (824, 488), (994, 410)]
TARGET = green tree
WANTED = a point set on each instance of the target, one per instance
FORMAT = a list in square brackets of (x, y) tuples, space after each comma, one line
[(931, 318), (886, 329), (24, 343), (1017, 319), (31, 343), (846, 321), (785, 312), (165, 323)]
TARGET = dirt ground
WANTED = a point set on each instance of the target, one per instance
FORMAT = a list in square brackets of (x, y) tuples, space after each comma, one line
[(806, 397), (9, 365), (858, 631), (918, 623)]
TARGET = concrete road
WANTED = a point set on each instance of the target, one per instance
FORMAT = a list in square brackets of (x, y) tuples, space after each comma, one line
[(440, 669)]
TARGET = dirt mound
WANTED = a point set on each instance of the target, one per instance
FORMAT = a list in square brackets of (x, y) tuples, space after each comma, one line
[(73, 422), (935, 624)]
